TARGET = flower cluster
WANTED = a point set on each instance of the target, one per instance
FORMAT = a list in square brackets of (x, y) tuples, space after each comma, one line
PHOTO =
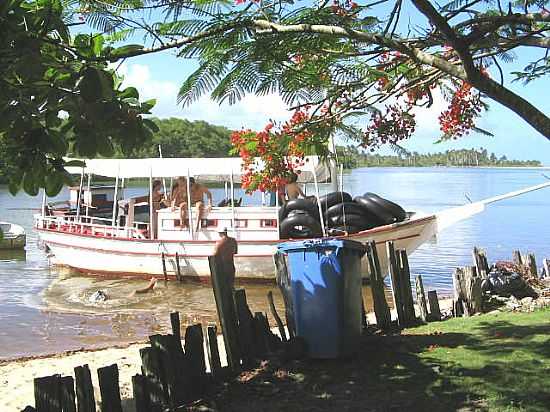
[(394, 125), (459, 117), (344, 8), (280, 148)]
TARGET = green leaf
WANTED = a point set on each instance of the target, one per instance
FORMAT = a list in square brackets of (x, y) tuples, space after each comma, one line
[(129, 92), (151, 125), (96, 84), (29, 183), (98, 41), (130, 48), (148, 105), (54, 183)]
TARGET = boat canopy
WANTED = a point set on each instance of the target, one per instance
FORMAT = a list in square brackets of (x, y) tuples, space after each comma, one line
[(204, 169)]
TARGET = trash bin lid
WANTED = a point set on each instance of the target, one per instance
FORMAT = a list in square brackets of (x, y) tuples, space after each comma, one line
[(321, 243)]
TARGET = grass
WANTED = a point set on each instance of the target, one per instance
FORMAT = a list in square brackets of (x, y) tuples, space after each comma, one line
[(494, 362)]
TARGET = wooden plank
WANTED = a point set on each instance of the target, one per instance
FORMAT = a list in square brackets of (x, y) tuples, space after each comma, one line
[(246, 328), (176, 329), (67, 394), (546, 265), (283, 281), (223, 295), (480, 262), (141, 394), (395, 278), (406, 289), (196, 364), (172, 363), (274, 313), (151, 368), (433, 302), (261, 337), (473, 290), (532, 265), (421, 299), (84, 389), (381, 308), (178, 268), (109, 388), (213, 351), (518, 260), (164, 266), (47, 393)]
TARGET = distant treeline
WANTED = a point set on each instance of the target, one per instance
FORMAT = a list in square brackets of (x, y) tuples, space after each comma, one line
[(176, 137), (351, 158)]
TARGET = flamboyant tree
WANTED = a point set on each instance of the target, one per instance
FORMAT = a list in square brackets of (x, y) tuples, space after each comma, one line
[(356, 67)]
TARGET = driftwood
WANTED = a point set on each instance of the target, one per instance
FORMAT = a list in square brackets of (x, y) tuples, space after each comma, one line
[(84, 389), (433, 302), (246, 328), (274, 313), (141, 394), (421, 299), (381, 309), (480, 262), (406, 289), (109, 388), (467, 291), (213, 351)]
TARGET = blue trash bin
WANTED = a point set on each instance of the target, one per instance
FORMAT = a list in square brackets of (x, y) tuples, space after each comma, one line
[(325, 289)]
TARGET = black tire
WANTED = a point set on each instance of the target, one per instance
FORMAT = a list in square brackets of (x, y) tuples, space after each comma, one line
[(300, 226), (349, 208), (397, 211), (331, 199), (361, 221), (309, 205), (376, 209), (298, 213)]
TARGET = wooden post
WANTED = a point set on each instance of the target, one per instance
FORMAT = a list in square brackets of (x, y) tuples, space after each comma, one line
[(178, 269), (176, 331), (246, 328), (395, 278), (546, 264), (261, 338), (381, 309), (406, 290), (517, 257), (47, 393), (225, 306), (84, 389), (433, 302), (213, 351), (278, 320), (532, 265), (421, 299), (109, 388), (467, 291), (164, 267), (141, 395), (480, 262), (196, 365), (151, 368), (67, 394), (172, 363)]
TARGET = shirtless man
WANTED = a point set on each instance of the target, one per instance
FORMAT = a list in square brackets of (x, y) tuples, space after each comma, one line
[(179, 199), (226, 248), (197, 198), (293, 189)]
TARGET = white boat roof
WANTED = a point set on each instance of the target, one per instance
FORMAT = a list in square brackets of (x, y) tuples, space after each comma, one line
[(204, 169)]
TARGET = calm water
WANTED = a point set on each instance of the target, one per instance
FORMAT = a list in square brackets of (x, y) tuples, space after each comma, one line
[(45, 310)]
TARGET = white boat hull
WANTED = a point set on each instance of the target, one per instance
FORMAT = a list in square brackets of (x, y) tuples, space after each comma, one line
[(254, 262)]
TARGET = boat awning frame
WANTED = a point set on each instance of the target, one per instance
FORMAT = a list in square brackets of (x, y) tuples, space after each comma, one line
[(203, 169)]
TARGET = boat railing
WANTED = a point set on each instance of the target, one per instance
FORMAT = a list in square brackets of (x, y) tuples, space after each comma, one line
[(93, 226)]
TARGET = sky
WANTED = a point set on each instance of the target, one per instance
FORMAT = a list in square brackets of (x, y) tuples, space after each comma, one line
[(160, 76)]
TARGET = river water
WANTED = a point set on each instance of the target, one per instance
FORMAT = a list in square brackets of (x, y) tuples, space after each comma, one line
[(45, 309)]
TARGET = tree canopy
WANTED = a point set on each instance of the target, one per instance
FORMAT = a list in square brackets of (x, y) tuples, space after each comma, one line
[(356, 67)]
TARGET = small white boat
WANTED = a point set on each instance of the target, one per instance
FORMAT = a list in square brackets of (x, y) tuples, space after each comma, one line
[(125, 247), (12, 236)]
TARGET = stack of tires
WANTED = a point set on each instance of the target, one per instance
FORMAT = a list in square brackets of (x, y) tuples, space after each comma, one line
[(300, 218)]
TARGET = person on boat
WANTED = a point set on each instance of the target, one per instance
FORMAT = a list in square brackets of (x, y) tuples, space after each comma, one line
[(179, 199), (226, 249), (293, 189), (198, 192), (157, 195)]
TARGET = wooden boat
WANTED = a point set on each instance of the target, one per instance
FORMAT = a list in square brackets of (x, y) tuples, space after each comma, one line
[(12, 236), (121, 246)]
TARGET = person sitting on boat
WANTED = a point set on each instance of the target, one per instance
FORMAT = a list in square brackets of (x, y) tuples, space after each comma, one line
[(293, 189), (179, 199), (197, 198), (226, 249), (157, 195)]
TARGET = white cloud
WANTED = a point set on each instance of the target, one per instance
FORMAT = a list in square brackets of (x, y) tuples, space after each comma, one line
[(251, 112)]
